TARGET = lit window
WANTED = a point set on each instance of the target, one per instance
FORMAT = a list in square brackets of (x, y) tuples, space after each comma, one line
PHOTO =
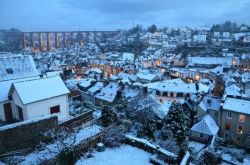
[(229, 115), (242, 118), (228, 126), (240, 129), (55, 109)]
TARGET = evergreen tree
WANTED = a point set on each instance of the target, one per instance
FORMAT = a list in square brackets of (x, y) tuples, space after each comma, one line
[(108, 115), (149, 127), (152, 28), (177, 123)]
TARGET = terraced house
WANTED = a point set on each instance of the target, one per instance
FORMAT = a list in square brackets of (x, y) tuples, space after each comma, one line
[(235, 120)]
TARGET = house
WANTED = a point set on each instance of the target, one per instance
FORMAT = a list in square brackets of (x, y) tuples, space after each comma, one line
[(235, 120), (108, 94), (128, 57), (176, 88), (16, 67), (200, 38), (145, 104), (146, 77), (13, 69), (209, 62), (209, 105), (204, 130), (95, 73), (39, 97), (89, 95)]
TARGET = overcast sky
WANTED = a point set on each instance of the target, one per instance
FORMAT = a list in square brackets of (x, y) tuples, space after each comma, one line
[(118, 14)]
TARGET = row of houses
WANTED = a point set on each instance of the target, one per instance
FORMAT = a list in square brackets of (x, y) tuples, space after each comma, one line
[(228, 118)]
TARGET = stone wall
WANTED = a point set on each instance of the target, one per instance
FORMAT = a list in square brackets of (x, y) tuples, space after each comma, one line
[(78, 120), (26, 134), (74, 153)]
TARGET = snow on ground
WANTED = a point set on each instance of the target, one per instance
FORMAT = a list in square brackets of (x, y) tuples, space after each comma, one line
[(124, 155), (53, 149), (230, 154)]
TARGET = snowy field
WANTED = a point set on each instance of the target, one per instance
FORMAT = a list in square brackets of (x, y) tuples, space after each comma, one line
[(124, 155)]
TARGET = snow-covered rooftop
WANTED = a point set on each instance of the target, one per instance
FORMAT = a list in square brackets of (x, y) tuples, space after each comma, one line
[(225, 61), (123, 75), (177, 85), (147, 76), (86, 82), (233, 90), (206, 126), (40, 89), (108, 93), (129, 93), (210, 102), (96, 87), (5, 87), (95, 70), (15, 67), (237, 105), (128, 56)]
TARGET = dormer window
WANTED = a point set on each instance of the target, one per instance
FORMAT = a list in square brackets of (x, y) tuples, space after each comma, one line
[(9, 71)]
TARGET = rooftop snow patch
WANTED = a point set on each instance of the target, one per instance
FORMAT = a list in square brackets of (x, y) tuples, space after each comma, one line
[(147, 76), (225, 61), (86, 82), (206, 126), (95, 70), (237, 105), (177, 85), (15, 67), (5, 87), (96, 87), (128, 56), (40, 89), (109, 92)]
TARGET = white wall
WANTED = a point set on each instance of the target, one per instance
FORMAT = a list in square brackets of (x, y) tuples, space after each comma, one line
[(42, 108), (2, 115), (17, 101)]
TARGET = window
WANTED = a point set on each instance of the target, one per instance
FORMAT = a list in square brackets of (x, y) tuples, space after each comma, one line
[(228, 126), (20, 112), (216, 114), (240, 129), (201, 135), (229, 115), (9, 71), (238, 139), (55, 109), (242, 118), (226, 136)]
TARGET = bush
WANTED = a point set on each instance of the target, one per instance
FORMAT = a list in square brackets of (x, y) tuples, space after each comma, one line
[(210, 158), (114, 137)]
